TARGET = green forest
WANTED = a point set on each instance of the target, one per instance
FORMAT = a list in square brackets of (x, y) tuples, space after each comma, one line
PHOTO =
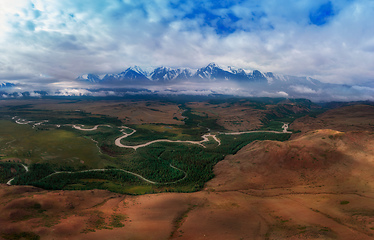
[(61, 157)]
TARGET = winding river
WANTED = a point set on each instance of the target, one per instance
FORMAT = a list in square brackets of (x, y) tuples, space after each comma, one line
[(205, 138), (117, 142), (11, 180)]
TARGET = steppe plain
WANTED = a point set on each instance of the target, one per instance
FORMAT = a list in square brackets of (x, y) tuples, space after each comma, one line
[(317, 185)]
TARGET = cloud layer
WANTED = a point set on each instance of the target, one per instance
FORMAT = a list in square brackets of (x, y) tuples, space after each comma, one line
[(50, 42)]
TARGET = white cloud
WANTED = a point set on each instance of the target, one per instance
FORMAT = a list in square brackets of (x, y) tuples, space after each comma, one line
[(303, 89), (272, 94), (64, 39), (73, 92)]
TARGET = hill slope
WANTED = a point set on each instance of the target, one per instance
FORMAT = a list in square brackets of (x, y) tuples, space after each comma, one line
[(336, 160), (348, 118), (318, 186)]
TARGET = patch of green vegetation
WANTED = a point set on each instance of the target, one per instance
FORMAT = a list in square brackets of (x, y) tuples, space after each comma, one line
[(325, 229), (61, 147), (199, 113), (21, 235), (116, 220), (49, 220), (9, 170), (110, 179), (37, 171), (179, 219), (344, 202), (193, 166), (149, 133), (273, 125), (62, 157), (192, 121), (96, 221), (57, 116), (286, 113), (233, 143)]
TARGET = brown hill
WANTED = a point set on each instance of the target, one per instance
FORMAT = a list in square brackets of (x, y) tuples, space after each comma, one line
[(325, 171), (244, 115), (322, 157), (318, 186), (348, 118)]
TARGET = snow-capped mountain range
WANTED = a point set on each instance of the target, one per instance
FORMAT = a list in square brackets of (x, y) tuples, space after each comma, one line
[(212, 72), (214, 79), (6, 85), (209, 80)]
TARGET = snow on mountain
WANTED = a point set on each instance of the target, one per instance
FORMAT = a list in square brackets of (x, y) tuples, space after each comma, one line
[(165, 74), (214, 72), (185, 74), (6, 85), (211, 73), (257, 76), (215, 79), (93, 78), (138, 70), (131, 74)]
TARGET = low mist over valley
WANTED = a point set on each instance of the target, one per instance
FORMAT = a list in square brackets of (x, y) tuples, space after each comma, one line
[(208, 81)]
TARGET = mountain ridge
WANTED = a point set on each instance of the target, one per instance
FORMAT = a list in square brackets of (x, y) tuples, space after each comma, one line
[(6, 85), (210, 80), (230, 80), (212, 72)]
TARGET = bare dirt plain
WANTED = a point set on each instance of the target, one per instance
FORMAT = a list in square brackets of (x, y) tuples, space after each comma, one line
[(317, 186)]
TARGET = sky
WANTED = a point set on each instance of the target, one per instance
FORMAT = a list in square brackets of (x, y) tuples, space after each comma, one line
[(53, 42)]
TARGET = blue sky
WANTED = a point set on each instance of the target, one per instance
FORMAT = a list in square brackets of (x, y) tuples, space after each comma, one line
[(55, 41)]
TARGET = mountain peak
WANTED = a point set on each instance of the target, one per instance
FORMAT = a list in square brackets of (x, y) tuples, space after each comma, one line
[(213, 65), (6, 85), (137, 70), (93, 78), (162, 74)]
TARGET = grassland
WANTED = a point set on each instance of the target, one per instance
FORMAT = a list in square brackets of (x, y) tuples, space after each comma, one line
[(61, 157), (315, 186), (9, 170), (61, 148)]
